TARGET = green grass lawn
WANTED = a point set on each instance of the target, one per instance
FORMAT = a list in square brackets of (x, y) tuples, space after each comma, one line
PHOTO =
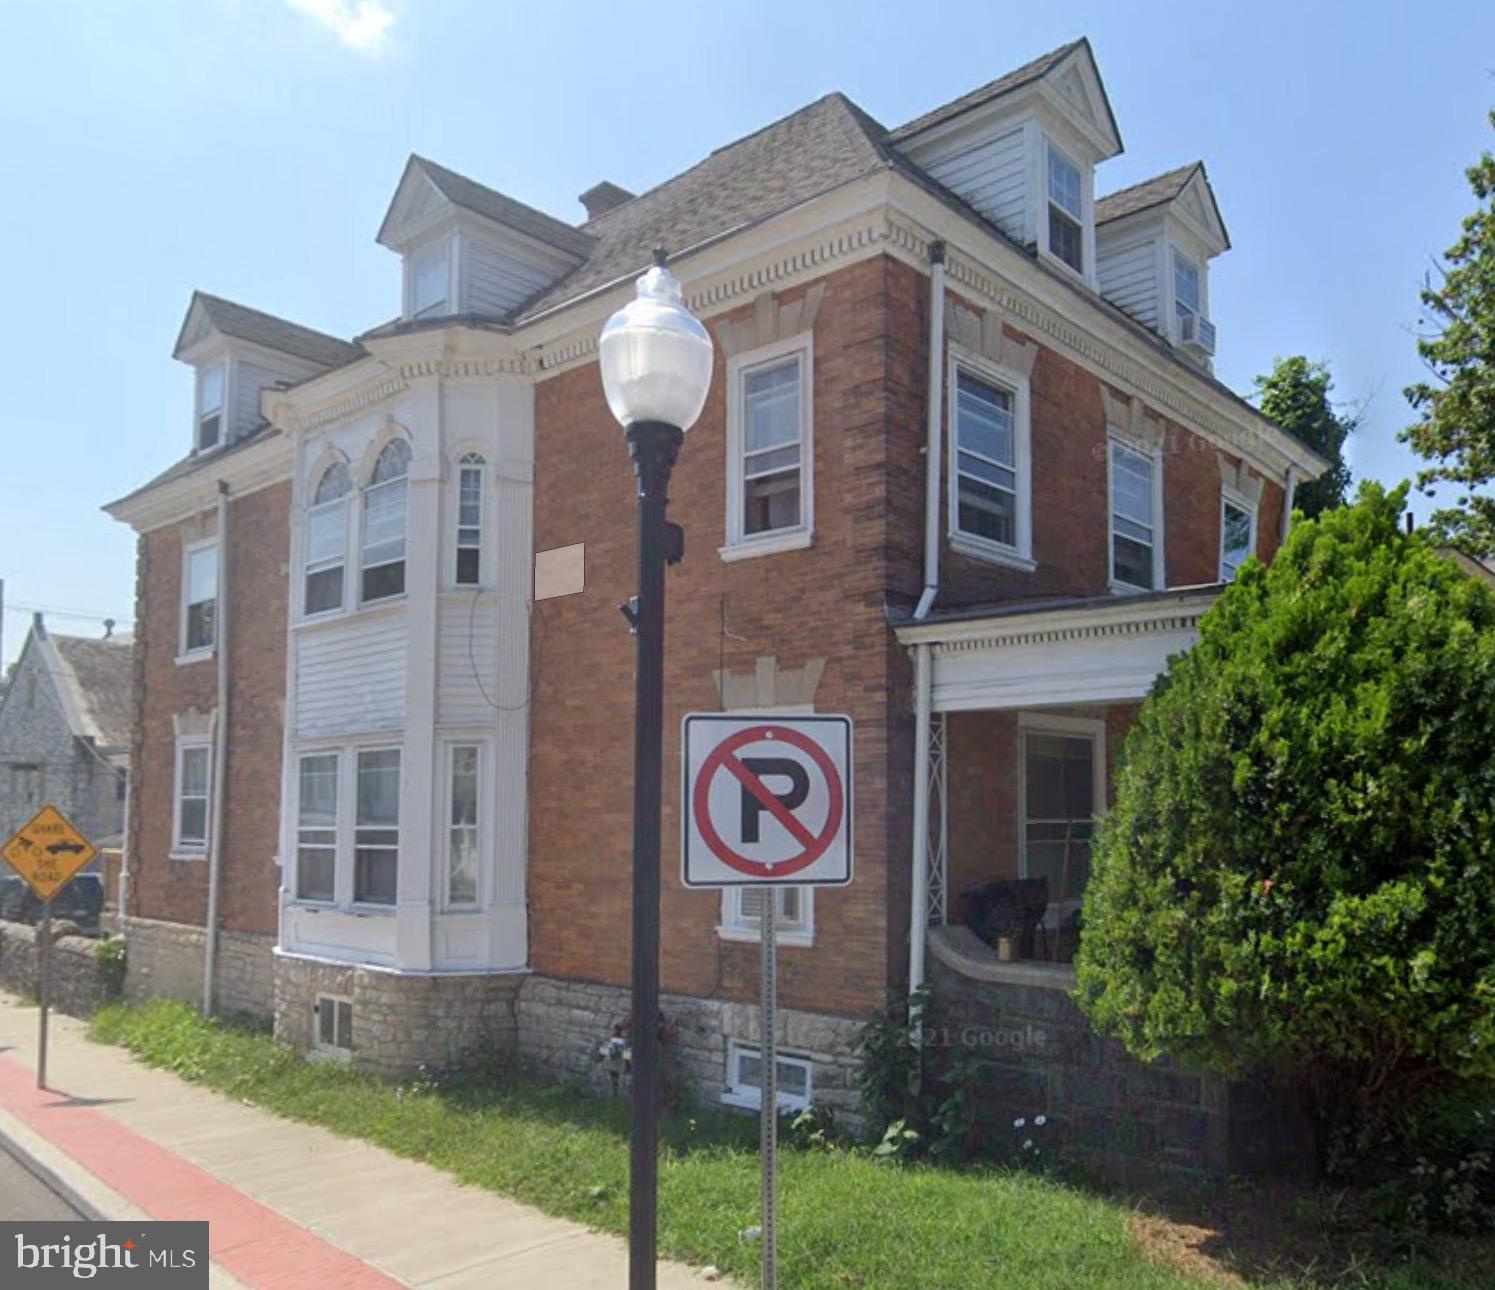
[(845, 1220)]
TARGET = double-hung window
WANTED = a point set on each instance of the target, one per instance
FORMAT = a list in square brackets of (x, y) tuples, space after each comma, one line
[(1136, 518), (1237, 534), (1185, 291), (742, 913), (193, 785), (327, 540), (199, 597), (210, 384), (1065, 211), (376, 832), (989, 479), (384, 498), (430, 283), (316, 826), (769, 466), (470, 473), (462, 830)]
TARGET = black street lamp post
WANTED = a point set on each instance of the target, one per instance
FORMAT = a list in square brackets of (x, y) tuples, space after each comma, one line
[(656, 368)]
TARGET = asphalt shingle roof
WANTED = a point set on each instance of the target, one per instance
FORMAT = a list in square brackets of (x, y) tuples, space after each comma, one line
[(100, 674), (1139, 197), (244, 323), (484, 201)]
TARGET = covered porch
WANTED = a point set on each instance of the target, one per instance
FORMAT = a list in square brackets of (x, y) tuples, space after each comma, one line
[(1020, 712)]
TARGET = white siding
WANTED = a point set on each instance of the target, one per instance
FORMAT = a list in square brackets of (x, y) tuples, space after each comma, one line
[(468, 676), (1129, 279), (350, 678), (496, 280), (991, 175), (249, 381)]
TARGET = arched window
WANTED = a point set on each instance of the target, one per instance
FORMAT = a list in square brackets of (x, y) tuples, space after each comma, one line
[(470, 475), (327, 540), (384, 524)]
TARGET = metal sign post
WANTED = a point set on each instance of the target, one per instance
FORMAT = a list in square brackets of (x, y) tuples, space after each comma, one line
[(769, 1083), (43, 990), (48, 853), (767, 804)]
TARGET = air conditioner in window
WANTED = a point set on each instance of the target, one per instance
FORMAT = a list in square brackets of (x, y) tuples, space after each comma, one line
[(1197, 334)]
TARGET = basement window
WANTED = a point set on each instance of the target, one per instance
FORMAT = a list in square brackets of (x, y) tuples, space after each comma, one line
[(745, 1079), (332, 1025)]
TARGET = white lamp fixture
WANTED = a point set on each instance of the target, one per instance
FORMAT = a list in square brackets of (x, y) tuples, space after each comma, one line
[(656, 356)]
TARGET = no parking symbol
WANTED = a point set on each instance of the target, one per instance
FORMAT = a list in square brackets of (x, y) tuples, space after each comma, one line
[(767, 800)]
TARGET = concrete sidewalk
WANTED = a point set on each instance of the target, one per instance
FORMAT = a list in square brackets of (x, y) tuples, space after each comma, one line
[(290, 1205)]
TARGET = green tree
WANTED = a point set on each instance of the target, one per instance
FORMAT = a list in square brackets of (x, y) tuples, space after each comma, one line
[(1455, 431), (1296, 397), (1298, 873)]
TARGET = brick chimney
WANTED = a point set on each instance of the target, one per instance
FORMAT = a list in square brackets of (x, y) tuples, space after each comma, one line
[(601, 198)]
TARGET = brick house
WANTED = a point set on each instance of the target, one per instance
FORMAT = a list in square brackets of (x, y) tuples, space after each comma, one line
[(65, 717), (385, 692)]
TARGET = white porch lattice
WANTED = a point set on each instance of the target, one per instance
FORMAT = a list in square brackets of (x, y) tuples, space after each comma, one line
[(939, 832)]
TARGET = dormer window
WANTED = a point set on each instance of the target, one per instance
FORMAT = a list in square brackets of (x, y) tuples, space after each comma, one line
[(1066, 227), (430, 281), (1185, 292), (210, 407)]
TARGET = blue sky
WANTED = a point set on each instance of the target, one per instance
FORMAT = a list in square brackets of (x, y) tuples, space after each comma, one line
[(250, 147)]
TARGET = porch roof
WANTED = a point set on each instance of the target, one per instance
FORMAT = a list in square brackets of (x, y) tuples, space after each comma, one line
[(1069, 650)]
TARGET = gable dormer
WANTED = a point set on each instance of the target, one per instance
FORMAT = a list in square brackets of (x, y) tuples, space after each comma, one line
[(1155, 242), (237, 353), (466, 249), (1022, 151)]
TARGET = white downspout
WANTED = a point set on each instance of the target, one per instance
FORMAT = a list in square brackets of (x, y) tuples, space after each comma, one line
[(1289, 491), (220, 752), (918, 921)]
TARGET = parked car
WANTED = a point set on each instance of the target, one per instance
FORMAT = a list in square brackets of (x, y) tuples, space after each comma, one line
[(80, 902)]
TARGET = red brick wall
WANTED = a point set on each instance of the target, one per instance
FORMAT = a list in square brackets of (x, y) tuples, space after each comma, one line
[(824, 602), (176, 890)]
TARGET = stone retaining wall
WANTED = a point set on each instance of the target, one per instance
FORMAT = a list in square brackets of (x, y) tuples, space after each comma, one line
[(165, 961), (80, 983), (563, 1023), (402, 1021)]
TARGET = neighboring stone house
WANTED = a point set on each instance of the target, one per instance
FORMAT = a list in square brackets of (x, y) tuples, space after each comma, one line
[(65, 721), (416, 545)]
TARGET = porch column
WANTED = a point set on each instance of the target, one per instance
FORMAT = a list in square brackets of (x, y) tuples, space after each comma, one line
[(918, 916)]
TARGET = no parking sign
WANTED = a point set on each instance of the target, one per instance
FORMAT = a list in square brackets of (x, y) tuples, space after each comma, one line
[(767, 801)]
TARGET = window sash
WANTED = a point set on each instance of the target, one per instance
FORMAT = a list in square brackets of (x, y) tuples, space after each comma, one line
[(376, 832), (795, 1082), (200, 598), (469, 524), (1233, 554), (792, 910), (1065, 187), (326, 556), (986, 460), (1059, 818), (1134, 503), (210, 406), (193, 788), (316, 825), (769, 472), (464, 762), (431, 283), (1185, 287)]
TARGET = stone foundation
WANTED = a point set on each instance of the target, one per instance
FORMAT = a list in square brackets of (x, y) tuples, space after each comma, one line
[(80, 982), (563, 1023), (402, 1021), (1134, 1121), (165, 961)]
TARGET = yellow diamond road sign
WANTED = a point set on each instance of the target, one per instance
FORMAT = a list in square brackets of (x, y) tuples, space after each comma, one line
[(48, 852)]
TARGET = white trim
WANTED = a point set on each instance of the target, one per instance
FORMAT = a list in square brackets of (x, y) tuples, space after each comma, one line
[(751, 1098), (736, 926), (189, 549), (1154, 455), (484, 525), (1233, 497), (334, 1051), (1086, 218), (740, 544), (190, 849), (1020, 554), (296, 825), (482, 828), (219, 364)]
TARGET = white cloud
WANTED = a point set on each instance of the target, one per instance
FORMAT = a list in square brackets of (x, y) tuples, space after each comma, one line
[(362, 26)]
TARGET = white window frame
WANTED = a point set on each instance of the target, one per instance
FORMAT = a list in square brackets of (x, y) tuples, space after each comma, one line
[(337, 827), (437, 308), (750, 1097), (320, 1047), (470, 459), (1181, 257), (741, 544), (480, 828), (1154, 454), (400, 848), (364, 492), (1043, 723), (344, 505), (1087, 252), (1230, 497), (186, 653), (1020, 554), (220, 366), (182, 848), (739, 926)]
